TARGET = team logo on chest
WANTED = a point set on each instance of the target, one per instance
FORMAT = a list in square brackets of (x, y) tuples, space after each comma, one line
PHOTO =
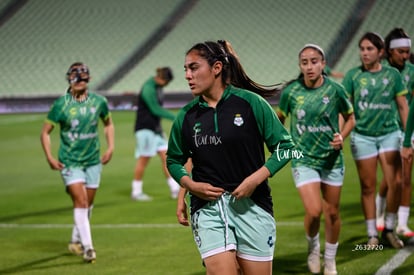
[(82, 110), (325, 99), (238, 120)]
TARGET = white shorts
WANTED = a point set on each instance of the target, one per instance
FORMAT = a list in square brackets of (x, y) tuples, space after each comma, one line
[(90, 176), (303, 175), (149, 143), (231, 224), (364, 147)]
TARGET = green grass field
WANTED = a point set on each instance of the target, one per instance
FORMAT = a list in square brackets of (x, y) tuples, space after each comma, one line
[(141, 237)]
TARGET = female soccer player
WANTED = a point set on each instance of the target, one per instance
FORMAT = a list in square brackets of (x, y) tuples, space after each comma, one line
[(376, 91), (407, 150), (316, 103), (224, 130), (78, 113), (397, 54), (150, 138)]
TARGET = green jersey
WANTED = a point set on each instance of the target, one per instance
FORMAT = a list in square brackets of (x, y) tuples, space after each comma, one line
[(407, 75), (373, 95), (410, 127), (314, 120), (79, 136)]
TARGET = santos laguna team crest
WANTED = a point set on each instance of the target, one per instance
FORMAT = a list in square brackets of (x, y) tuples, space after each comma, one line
[(238, 120)]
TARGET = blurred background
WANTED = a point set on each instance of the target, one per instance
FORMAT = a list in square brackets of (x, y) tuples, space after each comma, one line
[(124, 41)]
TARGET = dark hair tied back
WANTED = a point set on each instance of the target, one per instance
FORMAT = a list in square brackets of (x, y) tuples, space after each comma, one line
[(232, 72)]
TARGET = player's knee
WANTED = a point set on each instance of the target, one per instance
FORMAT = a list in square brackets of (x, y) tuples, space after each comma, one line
[(314, 213), (332, 213)]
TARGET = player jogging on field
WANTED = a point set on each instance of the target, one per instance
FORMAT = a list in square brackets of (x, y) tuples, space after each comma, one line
[(397, 53), (315, 103), (78, 113), (378, 95)]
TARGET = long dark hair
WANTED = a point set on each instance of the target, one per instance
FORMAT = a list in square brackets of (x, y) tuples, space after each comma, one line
[(232, 72), (395, 33), (374, 38)]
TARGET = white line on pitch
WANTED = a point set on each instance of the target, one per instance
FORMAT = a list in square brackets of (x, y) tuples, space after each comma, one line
[(125, 225), (20, 119), (397, 260)]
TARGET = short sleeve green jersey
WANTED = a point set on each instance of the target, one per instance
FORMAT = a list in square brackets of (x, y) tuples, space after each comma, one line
[(79, 136), (373, 95), (410, 127), (314, 120), (407, 75)]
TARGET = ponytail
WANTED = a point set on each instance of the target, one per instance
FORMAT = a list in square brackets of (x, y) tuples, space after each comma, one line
[(233, 72)]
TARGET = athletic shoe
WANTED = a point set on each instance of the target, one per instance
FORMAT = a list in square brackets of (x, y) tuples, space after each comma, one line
[(380, 222), (404, 231), (141, 197), (90, 256), (373, 241), (314, 262), (391, 239), (76, 248), (330, 267)]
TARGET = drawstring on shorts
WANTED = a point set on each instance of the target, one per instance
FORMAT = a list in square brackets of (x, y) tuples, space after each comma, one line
[(223, 213)]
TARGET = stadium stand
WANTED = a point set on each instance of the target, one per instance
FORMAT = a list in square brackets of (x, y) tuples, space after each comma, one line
[(4, 4), (8, 8), (143, 50), (43, 37), (383, 17), (266, 34), (41, 40)]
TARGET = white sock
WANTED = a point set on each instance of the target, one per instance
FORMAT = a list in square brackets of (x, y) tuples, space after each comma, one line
[(371, 227), (174, 186), (90, 212), (75, 231), (313, 243), (137, 187), (390, 219), (380, 203), (330, 250), (75, 235), (82, 224), (403, 214)]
